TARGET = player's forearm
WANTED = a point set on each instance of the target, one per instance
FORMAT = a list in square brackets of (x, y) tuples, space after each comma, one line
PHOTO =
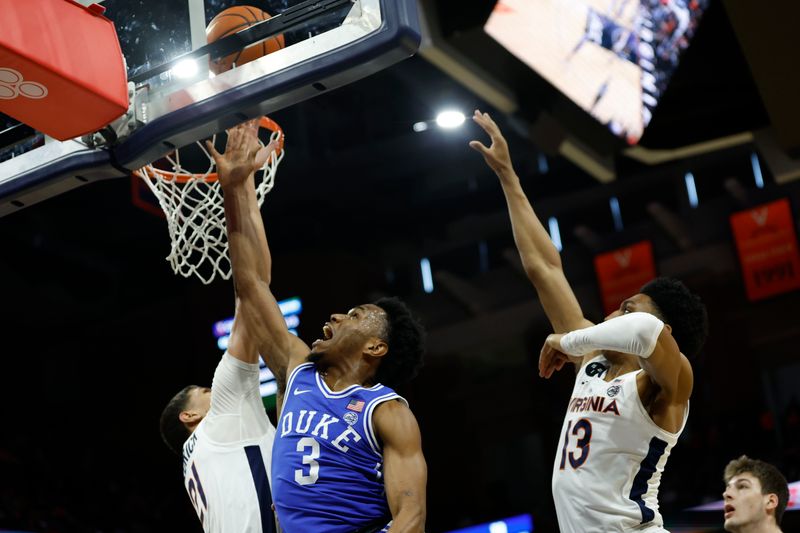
[(536, 250), (635, 334), (259, 327), (251, 261)]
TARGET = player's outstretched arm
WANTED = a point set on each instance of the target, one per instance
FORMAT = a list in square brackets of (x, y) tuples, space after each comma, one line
[(259, 326), (540, 258), (405, 471)]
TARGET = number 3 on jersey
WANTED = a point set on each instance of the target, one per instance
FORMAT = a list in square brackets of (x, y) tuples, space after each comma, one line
[(582, 430), (308, 459)]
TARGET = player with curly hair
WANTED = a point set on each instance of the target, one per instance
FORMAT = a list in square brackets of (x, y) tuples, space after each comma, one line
[(633, 380), (347, 454)]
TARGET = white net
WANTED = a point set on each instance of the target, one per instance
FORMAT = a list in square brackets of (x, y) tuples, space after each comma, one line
[(192, 203)]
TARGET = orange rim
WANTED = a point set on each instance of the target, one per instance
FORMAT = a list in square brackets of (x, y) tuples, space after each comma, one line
[(265, 123)]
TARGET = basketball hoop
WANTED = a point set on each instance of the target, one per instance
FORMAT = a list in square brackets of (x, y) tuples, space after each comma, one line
[(192, 203)]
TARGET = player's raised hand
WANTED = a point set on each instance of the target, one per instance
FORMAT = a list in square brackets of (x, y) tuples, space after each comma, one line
[(243, 154), (551, 359), (496, 155)]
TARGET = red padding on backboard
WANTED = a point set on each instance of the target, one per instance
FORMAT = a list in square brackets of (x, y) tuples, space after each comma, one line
[(61, 67)]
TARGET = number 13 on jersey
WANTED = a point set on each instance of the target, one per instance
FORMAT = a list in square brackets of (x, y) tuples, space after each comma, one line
[(583, 431)]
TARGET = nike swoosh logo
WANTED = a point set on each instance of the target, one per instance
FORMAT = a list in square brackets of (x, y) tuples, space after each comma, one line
[(298, 391)]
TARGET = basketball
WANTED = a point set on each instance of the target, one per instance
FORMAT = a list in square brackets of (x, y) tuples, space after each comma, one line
[(235, 19)]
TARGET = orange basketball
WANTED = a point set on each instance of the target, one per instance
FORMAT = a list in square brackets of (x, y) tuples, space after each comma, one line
[(235, 19)]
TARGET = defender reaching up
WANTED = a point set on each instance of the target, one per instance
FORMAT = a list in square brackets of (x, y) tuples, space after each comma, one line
[(348, 452), (630, 401), (223, 432)]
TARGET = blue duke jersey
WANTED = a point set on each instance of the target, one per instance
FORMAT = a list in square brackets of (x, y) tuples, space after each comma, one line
[(327, 462), (226, 459), (610, 457)]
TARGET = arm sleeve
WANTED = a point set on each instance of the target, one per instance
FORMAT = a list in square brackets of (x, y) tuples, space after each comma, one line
[(634, 333), (236, 411)]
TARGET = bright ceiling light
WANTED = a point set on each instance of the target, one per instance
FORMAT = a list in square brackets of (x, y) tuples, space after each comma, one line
[(420, 126), (185, 69), (450, 119)]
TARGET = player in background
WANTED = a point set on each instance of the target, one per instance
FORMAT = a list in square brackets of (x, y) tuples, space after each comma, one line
[(223, 432), (348, 454), (630, 401), (756, 495)]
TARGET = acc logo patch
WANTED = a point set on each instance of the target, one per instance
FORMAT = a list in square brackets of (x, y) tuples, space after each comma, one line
[(613, 391), (350, 417), (596, 369)]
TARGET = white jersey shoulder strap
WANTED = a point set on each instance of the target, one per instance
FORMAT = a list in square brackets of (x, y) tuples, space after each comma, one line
[(369, 429)]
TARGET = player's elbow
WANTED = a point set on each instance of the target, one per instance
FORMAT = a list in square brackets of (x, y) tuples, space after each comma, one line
[(248, 284), (539, 269), (418, 524), (647, 333), (411, 519), (664, 345)]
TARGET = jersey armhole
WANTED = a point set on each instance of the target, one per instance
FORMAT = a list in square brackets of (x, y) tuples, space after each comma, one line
[(649, 418), (369, 429), (290, 381)]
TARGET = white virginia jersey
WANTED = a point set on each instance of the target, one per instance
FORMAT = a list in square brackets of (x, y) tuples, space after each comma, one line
[(610, 457), (226, 460)]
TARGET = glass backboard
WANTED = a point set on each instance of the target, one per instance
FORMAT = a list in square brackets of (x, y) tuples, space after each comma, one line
[(328, 44)]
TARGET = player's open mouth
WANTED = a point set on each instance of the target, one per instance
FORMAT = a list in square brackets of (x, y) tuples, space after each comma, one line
[(729, 509), (327, 332)]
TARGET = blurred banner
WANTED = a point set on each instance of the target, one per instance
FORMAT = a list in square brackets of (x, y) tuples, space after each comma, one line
[(622, 272), (767, 245)]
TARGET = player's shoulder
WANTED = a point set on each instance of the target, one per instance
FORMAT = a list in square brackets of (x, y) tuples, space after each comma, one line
[(391, 410), (298, 366), (302, 369), (395, 423), (298, 356), (677, 394), (393, 404)]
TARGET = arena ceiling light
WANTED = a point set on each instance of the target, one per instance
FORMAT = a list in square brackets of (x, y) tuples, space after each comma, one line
[(450, 119), (757, 170), (691, 190), (427, 275)]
